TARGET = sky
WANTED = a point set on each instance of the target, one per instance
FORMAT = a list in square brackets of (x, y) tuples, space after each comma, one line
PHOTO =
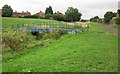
[(88, 8)]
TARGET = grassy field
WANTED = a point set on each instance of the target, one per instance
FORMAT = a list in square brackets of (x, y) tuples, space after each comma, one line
[(92, 51), (19, 21)]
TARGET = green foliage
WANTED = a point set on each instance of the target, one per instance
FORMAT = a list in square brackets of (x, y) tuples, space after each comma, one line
[(95, 19), (100, 21), (108, 16), (67, 53), (117, 21), (58, 17), (72, 14), (12, 39), (49, 10), (31, 16), (48, 16), (54, 34), (93, 51), (82, 20), (7, 11), (15, 41), (117, 27)]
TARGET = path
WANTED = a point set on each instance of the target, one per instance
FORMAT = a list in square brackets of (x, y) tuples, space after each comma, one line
[(110, 29)]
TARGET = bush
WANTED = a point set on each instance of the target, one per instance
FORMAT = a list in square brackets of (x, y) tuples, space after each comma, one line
[(82, 20), (31, 16), (108, 16), (48, 16), (58, 17), (54, 34), (62, 32), (100, 21), (117, 21), (95, 19), (15, 41), (78, 25)]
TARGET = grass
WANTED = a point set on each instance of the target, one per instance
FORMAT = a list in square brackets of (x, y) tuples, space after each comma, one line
[(18, 21), (92, 51), (30, 21)]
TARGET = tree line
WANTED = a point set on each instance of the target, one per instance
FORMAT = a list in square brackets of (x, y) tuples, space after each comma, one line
[(71, 14), (108, 18)]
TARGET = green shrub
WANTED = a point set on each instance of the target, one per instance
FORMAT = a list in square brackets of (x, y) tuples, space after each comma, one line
[(58, 17), (117, 21), (108, 16), (31, 16), (48, 16), (14, 41), (62, 32), (78, 26), (53, 35), (82, 20)]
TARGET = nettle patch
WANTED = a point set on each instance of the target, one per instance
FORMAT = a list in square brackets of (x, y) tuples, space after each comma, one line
[(26, 36)]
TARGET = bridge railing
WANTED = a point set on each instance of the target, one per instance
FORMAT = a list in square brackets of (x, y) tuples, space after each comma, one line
[(42, 26)]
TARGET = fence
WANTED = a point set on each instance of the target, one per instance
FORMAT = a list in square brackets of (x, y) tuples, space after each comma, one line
[(44, 27)]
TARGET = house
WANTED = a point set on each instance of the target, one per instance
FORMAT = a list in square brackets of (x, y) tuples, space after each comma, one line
[(41, 14), (20, 14)]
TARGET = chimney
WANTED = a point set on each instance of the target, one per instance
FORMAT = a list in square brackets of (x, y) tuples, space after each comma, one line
[(22, 11), (40, 11), (27, 12)]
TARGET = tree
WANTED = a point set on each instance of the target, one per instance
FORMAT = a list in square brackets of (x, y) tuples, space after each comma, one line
[(72, 14), (48, 16), (58, 17), (95, 19), (49, 10), (100, 21), (82, 20), (117, 21), (108, 16), (7, 11)]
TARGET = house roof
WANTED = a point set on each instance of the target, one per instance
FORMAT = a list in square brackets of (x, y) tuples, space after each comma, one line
[(21, 13), (42, 14)]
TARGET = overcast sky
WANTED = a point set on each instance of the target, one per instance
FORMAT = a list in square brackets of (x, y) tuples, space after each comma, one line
[(88, 8)]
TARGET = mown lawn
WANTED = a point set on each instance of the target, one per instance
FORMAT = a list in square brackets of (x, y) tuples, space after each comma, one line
[(8, 22), (92, 51)]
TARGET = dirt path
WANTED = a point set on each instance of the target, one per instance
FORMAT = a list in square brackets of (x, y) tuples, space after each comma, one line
[(110, 29)]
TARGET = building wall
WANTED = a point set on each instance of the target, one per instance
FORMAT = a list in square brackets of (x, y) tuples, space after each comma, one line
[(41, 14)]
